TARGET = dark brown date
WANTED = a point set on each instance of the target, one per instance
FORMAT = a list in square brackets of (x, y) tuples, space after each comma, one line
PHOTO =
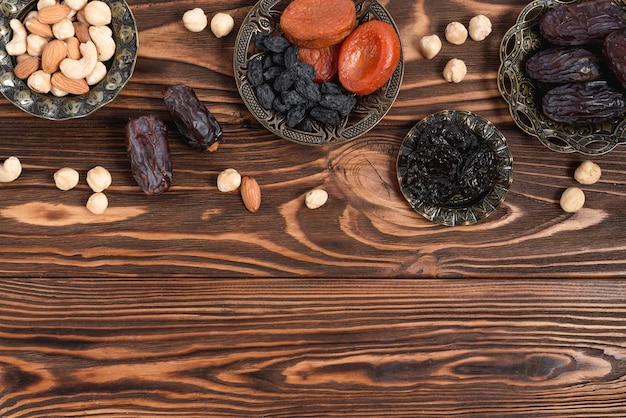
[(583, 103), (149, 153), (564, 65), (582, 23), (193, 120), (615, 52)]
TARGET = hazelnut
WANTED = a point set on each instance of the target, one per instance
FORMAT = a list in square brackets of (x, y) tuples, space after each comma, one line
[(66, 178), (587, 173), (315, 198), (228, 180), (97, 203), (222, 24), (572, 199), (98, 178), (456, 33), (479, 27), (430, 46), (195, 20), (455, 71)]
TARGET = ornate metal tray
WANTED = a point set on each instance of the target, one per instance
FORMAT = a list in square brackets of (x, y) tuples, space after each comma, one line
[(369, 110), (48, 106), (523, 94), (460, 211)]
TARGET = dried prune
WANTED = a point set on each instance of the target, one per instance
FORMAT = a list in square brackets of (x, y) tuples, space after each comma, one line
[(193, 120), (582, 23), (564, 65), (615, 53), (149, 154), (448, 161), (583, 103), (265, 95)]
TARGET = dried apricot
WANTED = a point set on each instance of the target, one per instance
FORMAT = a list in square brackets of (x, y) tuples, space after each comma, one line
[(324, 60), (368, 57), (318, 23)]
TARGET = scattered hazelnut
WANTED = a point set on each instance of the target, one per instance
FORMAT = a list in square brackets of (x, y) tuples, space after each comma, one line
[(98, 178), (195, 20), (228, 180), (10, 170), (66, 178), (572, 199), (97, 203), (479, 27), (456, 33), (315, 198), (222, 24), (455, 71), (430, 46), (587, 173)]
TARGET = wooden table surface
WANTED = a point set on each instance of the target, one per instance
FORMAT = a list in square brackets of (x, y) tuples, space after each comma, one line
[(187, 305)]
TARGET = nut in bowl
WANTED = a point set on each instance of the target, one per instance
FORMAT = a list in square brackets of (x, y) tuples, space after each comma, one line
[(61, 63), (351, 114), (454, 167), (526, 95)]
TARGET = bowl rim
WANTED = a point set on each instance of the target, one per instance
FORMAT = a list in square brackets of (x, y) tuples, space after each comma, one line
[(519, 91), (48, 106), (374, 107), (483, 207)]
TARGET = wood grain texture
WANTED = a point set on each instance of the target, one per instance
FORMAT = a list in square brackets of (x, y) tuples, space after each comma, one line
[(365, 230), (305, 348)]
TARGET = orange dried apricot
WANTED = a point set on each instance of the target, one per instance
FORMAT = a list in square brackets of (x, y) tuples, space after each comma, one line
[(324, 60)]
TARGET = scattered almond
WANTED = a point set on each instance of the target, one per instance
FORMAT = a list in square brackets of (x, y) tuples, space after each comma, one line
[(53, 14), (68, 85), (52, 55), (26, 67), (37, 28), (250, 193)]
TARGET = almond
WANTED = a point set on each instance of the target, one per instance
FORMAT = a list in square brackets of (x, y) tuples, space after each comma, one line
[(82, 32), (52, 55), (73, 48), (53, 14), (250, 193), (35, 27), (26, 67), (68, 85)]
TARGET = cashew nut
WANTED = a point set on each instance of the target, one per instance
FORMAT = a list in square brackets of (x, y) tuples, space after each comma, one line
[(17, 46), (39, 82), (98, 74), (45, 3), (97, 13), (102, 37), (35, 45), (10, 170), (77, 69)]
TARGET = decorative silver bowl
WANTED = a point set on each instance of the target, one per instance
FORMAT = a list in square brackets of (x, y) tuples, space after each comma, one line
[(120, 66), (370, 109)]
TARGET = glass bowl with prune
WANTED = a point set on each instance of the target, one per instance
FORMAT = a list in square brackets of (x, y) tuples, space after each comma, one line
[(454, 167), (61, 61), (291, 85), (565, 80)]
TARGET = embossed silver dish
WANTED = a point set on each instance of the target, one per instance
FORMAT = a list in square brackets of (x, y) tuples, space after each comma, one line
[(523, 94), (460, 210), (48, 106), (369, 111)]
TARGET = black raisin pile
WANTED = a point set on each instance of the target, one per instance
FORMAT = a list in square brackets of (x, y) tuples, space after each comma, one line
[(448, 163), (285, 84)]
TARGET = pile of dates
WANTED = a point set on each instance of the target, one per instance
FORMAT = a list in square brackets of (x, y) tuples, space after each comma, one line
[(584, 63)]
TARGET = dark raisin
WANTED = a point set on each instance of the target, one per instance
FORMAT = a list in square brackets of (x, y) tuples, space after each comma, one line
[(564, 65), (328, 87), (615, 53), (272, 72), (325, 116), (149, 154), (339, 102), (583, 103), (295, 115), (305, 125), (308, 89), (293, 98), (280, 106), (290, 56), (193, 120), (255, 72), (265, 95), (304, 70), (284, 81), (582, 23), (268, 42)]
